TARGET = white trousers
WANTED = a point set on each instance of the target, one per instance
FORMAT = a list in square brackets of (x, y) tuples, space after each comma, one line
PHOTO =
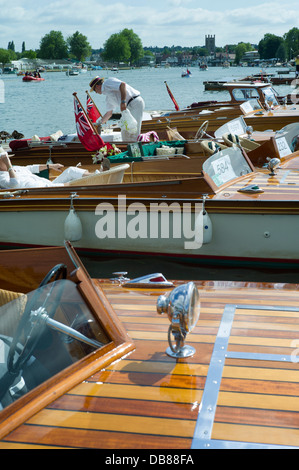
[(70, 174), (136, 108)]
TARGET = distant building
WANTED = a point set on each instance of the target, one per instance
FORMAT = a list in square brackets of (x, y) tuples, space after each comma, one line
[(210, 44), (250, 56), (222, 59)]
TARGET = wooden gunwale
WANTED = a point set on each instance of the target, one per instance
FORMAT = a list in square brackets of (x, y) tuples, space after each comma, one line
[(280, 194), (188, 127), (119, 345), (213, 206)]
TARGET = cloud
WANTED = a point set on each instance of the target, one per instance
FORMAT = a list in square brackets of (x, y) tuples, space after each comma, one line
[(174, 22)]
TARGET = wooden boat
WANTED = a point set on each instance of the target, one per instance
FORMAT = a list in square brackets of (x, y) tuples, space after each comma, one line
[(237, 391), (259, 77), (284, 81), (250, 100), (260, 120), (258, 146), (189, 164), (217, 85), (74, 153), (249, 213), (283, 144), (238, 92), (214, 85)]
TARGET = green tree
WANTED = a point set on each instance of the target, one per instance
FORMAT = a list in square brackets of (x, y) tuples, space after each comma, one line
[(23, 46), (135, 44), (11, 46), (53, 46), (12, 54), (203, 52), (30, 54), (4, 56), (241, 48), (269, 45), (125, 46), (291, 39), (281, 52), (116, 49), (79, 46)]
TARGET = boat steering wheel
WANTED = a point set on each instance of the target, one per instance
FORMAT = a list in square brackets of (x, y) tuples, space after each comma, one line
[(201, 131), (27, 327)]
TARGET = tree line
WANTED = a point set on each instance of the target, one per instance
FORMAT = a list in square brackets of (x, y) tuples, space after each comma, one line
[(127, 47)]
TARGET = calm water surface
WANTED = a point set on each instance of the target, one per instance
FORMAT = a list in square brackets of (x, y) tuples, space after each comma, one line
[(44, 107)]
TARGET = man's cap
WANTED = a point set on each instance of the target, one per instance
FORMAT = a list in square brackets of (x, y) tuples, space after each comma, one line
[(95, 82)]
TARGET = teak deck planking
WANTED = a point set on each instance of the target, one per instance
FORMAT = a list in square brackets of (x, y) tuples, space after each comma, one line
[(149, 400)]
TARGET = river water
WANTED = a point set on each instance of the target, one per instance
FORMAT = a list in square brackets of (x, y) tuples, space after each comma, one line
[(44, 107)]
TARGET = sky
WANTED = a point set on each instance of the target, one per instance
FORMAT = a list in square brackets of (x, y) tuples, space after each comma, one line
[(156, 22)]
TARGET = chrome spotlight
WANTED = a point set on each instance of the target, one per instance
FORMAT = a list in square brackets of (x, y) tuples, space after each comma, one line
[(272, 165), (182, 307), (249, 131)]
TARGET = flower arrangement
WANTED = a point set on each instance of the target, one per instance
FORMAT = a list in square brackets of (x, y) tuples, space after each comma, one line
[(104, 152)]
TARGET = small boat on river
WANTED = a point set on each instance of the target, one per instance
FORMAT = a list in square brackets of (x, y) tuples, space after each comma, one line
[(186, 73), (262, 115), (31, 78), (72, 73), (238, 93), (145, 363)]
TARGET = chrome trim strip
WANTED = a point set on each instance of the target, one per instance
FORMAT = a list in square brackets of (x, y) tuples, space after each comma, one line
[(286, 174), (216, 444), (258, 356), (268, 307), (207, 409)]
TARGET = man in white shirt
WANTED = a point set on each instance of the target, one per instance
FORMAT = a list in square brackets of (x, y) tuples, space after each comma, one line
[(119, 94), (26, 177)]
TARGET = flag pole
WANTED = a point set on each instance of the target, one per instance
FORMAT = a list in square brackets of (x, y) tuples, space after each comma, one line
[(172, 97), (93, 103), (86, 115)]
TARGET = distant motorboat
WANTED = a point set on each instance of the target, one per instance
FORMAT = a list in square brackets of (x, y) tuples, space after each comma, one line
[(186, 74), (9, 70), (71, 72)]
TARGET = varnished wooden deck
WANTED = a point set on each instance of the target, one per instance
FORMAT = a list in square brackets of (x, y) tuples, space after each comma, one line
[(239, 389)]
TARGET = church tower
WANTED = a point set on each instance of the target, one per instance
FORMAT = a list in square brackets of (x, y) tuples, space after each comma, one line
[(210, 44)]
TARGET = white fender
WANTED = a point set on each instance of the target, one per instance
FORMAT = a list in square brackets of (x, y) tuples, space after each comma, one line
[(72, 227), (207, 228)]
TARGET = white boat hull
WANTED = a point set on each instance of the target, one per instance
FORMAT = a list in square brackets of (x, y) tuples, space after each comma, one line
[(253, 239)]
